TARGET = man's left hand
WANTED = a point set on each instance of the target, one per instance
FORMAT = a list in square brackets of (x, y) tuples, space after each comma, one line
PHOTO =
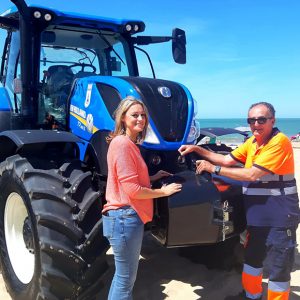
[(204, 165)]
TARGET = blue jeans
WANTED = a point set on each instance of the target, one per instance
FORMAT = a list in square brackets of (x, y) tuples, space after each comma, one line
[(124, 230)]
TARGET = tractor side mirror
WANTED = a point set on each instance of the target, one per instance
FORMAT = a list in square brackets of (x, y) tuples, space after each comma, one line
[(179, 45)]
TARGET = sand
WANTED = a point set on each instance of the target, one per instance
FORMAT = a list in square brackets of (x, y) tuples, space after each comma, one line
[(165, 274)]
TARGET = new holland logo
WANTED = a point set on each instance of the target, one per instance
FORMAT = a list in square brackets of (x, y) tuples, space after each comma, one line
[(90, 123), (88, 95), (165, 91)]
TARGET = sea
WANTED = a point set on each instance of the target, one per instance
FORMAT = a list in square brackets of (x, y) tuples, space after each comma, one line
[(289, 126)]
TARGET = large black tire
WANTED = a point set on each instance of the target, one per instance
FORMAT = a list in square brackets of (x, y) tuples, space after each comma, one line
[(51, 241)]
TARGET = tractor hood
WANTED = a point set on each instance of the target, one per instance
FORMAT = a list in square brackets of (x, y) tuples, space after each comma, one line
[(94, 100)]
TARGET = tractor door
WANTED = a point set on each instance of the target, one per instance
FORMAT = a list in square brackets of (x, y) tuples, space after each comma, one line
[(10, 88), (68, 54)]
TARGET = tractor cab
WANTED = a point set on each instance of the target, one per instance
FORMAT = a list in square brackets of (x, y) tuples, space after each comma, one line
[(47, 50)]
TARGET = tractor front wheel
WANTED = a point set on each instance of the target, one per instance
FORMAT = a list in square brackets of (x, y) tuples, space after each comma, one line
[(51, 243)]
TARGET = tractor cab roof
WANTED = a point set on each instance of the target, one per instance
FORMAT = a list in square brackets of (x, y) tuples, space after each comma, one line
[(56, 17)]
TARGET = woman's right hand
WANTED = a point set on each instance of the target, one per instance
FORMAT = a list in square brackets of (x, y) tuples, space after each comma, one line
[(171, 188)]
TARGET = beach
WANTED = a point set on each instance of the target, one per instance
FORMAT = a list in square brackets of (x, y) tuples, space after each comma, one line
[(167, 274)]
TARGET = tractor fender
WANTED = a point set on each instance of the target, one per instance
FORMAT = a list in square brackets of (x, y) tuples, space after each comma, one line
[(96, 152), (31, 141)]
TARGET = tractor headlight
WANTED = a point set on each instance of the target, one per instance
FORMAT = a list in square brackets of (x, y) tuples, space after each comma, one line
[(48, 17), (194, 132), (134, 27), (37, 14), (151, 137), (128, 27), (195, 126)]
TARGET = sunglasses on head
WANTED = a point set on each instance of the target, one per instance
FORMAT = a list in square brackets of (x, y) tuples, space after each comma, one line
[(260, 120)]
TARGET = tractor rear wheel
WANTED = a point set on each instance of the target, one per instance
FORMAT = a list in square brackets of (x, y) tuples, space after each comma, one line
[(51, 241)]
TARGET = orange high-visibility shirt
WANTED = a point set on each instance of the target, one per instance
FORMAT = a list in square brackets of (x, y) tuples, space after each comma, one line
[(275, 157), (271, 200)]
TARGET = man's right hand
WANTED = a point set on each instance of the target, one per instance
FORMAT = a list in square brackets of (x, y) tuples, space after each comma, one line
[(186, 149)]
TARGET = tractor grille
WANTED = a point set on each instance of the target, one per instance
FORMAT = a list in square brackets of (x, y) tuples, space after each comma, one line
[(169, 114)]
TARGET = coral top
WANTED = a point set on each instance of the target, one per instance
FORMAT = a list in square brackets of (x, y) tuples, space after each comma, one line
[(127, 174)]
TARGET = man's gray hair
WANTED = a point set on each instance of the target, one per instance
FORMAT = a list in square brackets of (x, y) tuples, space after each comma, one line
[(268, 105)]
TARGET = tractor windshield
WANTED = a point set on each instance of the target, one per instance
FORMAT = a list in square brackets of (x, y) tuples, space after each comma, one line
[(67, 54)]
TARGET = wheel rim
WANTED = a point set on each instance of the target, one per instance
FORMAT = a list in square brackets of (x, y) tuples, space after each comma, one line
[(15, 216)]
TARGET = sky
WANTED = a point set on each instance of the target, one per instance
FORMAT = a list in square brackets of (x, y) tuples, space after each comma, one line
[(238, 51)]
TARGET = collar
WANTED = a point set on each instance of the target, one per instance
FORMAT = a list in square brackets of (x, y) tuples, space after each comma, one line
[(275, 131)]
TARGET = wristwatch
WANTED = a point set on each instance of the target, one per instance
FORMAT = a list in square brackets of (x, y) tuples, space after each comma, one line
[(217, 170)]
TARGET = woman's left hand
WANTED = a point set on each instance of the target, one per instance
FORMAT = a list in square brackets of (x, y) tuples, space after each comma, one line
[(160, 174)]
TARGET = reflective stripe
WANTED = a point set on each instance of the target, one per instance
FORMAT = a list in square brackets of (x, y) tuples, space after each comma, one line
[(269, 192), (252, 271), (252, 285), (252, 281), (275, 177), (278, 295), (256, 296), (279, 286)]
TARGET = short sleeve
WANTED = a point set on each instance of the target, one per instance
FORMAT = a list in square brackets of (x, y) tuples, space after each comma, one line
[(240, 153), (277, 157)]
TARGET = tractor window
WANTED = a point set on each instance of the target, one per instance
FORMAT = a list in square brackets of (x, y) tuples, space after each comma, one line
[(144, 65), (59, 66), (68, 54), (10, 68), (118, 61), (3, 52)]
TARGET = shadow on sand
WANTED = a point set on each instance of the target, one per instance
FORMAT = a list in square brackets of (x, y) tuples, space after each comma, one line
[(185, 273)]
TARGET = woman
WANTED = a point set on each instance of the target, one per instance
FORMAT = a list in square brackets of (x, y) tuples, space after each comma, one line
[(128, 194)]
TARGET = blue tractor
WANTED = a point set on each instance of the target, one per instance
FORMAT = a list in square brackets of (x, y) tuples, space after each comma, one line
[(62, 76)]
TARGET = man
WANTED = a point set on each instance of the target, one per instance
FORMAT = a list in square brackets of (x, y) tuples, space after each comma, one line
[(270, 198)]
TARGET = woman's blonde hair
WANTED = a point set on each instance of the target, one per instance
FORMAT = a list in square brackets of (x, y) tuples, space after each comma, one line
[(120, 112)]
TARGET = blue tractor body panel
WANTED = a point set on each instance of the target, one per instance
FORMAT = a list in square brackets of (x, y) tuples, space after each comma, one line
[(89, 112), (5, 109), (4, 100), (87, 102)]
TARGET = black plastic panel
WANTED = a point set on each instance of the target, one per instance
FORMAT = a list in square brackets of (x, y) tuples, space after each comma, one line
[(110, 96), (186, 218), (5, 120)]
